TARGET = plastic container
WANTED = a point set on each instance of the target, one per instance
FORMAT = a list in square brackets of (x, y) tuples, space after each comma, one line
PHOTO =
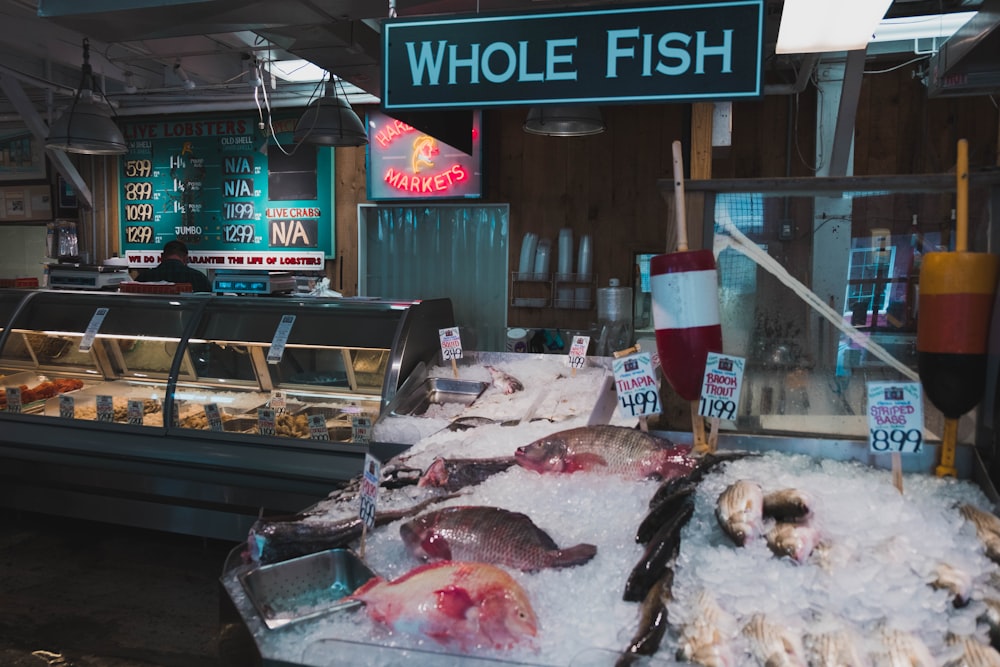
[(527, 262), (585, 258), (565, 254), (543, 255), (614, 318)]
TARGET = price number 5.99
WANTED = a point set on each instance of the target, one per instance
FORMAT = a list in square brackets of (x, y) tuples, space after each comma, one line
[(723, 408), (887, 440)]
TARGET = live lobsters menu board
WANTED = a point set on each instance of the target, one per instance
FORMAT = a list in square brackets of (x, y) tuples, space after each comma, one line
[(239, 196)]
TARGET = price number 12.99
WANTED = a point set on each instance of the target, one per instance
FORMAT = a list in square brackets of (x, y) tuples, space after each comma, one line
[(722, 408), (907, 441)]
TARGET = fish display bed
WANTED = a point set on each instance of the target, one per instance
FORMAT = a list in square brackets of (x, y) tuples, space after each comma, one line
[(886, 543)]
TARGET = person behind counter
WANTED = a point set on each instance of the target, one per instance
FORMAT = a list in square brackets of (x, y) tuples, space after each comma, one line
[(174, 268)]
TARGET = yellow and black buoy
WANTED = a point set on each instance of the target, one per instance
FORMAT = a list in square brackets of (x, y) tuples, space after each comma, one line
[(955, 304)]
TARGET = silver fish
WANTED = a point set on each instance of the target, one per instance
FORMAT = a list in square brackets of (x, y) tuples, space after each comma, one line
[(970, 652), (795, 540), (987, 528), (505, 382), (902, 649), (788, 505), (837, 648), (739, 511), (772, 644), (955, 581), (707, 639)]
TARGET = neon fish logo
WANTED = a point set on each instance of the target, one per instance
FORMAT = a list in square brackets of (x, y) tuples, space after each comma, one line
[(425, 149)]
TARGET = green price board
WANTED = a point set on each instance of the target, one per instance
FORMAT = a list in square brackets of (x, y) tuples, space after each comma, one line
[(239, 196)]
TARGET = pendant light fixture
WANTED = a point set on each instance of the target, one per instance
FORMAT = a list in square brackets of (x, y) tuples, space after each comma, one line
[(87, 127), (564, 121), (330, 121)]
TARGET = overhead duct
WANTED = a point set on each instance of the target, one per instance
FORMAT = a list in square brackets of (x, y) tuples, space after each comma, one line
[(968, 63)]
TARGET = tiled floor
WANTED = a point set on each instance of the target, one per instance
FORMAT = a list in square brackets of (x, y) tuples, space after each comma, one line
[(82, 594)]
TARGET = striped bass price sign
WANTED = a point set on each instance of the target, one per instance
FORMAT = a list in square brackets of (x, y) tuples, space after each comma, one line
[(635, 382), (369, 490), (895, 417)]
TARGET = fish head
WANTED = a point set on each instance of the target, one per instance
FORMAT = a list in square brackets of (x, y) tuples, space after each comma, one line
[(547, 454), (435, 475), (506, 617), (422, 540)]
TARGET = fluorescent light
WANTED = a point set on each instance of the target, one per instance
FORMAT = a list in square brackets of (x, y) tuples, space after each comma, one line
[(297, 71), (921, 27), (820, 26)]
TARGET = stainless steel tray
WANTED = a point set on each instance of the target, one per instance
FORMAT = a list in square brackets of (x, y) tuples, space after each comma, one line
[(305, 587), (438, 390)]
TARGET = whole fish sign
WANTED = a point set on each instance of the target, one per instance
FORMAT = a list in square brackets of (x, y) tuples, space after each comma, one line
[(688, 52)]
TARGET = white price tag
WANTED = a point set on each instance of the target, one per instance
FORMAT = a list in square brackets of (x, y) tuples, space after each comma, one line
[(105, 408), (279, 401), (265, 421), (578, 351), (721, 386), (895, 417), (370, 481), (135, 412), (213, 416), (280, 339), (317, 428), (361, 430), (451, 343), (67, 407), (638, 394), (13, 399), (91, 332)]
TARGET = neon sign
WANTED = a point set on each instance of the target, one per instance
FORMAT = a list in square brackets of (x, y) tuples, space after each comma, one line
[(406, 163)]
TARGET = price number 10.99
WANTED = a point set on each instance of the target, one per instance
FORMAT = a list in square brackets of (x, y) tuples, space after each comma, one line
[(907, 441), (722, 408)]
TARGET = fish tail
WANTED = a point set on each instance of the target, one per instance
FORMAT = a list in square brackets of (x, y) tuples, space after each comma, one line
[(571, 556)]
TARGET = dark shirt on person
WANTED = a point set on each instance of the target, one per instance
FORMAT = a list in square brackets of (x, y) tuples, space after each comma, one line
[(176, 271)]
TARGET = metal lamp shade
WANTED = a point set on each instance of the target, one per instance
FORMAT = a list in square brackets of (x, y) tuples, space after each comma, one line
[(86, 128), (564, 121), (330, 121)]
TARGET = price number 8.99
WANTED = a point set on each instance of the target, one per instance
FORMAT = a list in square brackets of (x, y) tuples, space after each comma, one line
[(896, 440), (718, 407)]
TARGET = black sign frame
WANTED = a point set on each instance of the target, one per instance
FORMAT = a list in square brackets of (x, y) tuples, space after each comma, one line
[(702, 51)]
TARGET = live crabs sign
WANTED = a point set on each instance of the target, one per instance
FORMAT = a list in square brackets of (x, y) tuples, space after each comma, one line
[(684, 52)]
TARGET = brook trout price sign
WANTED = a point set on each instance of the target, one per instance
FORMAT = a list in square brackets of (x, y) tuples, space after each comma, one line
[(222, 186)]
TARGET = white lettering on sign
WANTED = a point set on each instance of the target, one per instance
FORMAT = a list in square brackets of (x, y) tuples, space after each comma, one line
[(497, 62), (674, 60)]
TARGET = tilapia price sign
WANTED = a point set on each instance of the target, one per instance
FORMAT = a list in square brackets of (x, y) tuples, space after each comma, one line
[(895, 417), (638, 394), (721, 386), (578, 351), (370, 481), (451, 343)]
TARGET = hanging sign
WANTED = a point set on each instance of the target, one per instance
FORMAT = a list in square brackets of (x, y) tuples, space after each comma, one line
[(405, 163), (675, 53)]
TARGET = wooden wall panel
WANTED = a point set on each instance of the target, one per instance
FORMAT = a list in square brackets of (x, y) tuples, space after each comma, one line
[(350, 189)]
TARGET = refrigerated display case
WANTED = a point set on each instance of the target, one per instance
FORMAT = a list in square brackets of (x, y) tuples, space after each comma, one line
[(196, 413)]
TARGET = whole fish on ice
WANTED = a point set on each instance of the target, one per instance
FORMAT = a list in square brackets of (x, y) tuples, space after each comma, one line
[(504, 381), (787, 505), (489, 535), (902, 649), (836, 648), (987, 528), (455, 474), (461, 605), (707, 639), (773, 644), (795, 540), (739, 511), (611, 449), (970, 652)]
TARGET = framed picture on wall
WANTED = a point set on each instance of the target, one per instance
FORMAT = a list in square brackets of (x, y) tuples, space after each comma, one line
[(67, 195), (22, 157)]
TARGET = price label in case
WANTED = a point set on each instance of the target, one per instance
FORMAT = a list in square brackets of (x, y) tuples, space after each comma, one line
[(895, 417), (451, 343), (135, 412), (280, 339), (67, 407), (578, 351), (721, 386), (279, 401), (105, 408), (317, 428), (265, 421), (13, 399), (370, 481), (213, 416), (361, 430), (638, 394)]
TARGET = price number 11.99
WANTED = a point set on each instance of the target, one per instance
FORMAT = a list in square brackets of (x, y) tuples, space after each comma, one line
[(722, 408), (906, 441)]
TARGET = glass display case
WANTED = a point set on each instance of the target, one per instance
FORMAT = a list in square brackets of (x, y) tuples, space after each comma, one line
[(243, 403)]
